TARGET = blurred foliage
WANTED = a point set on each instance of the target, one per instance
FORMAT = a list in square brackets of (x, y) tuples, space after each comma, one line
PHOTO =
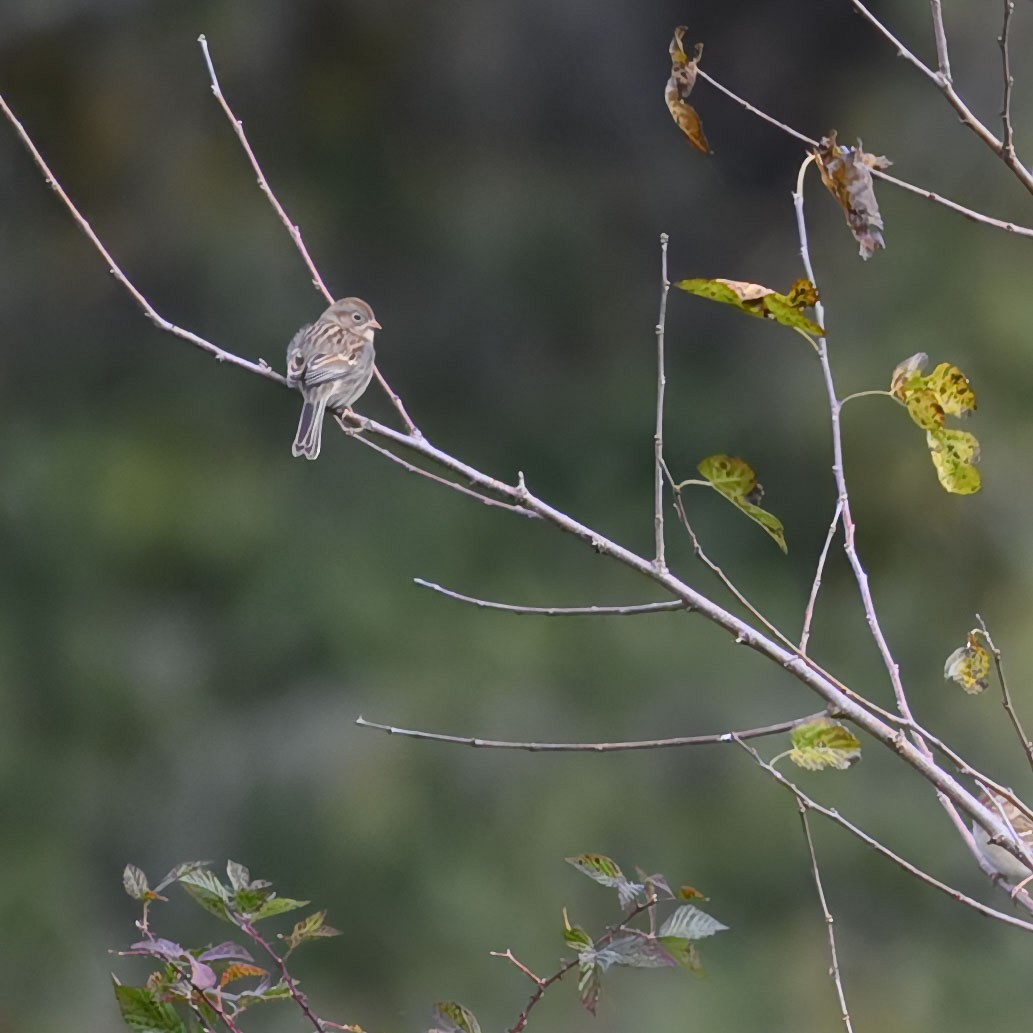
[(190, 620)]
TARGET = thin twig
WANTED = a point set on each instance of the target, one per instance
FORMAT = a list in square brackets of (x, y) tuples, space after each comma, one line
[(829, 920), (588, 747), (556, 611), (848, 706), (1009, 81), (292, 228), (808, 614), (1008, 705), (941, 76), (658, 440), (413, 468), (260, 367), (834, 815), (929, 195)]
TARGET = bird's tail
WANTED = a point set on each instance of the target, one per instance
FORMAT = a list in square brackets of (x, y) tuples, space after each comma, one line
[(310, 429)]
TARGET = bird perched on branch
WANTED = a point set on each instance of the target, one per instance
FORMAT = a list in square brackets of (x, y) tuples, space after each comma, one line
[(331, 363), (1007, 864)]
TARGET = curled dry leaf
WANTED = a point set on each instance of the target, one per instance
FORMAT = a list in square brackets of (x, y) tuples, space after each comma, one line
[(762, 302), (847, 173), (679, 86)]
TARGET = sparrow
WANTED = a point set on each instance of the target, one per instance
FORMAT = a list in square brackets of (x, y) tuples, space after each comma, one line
[(330, 362)]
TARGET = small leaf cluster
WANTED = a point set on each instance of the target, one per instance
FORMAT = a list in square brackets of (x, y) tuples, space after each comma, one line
[(213, 984)]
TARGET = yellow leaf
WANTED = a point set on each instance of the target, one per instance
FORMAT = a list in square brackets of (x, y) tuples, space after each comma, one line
[(952, 389), (969, 666), (759, 301), (823, 743), (907, 375), (953, 453)]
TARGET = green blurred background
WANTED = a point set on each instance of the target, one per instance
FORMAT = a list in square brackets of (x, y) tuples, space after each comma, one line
[(191, 620)]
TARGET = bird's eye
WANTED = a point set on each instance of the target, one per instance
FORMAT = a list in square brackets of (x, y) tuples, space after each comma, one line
[(357, 316)]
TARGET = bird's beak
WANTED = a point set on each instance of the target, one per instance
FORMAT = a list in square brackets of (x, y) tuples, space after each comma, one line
[(374, 324)]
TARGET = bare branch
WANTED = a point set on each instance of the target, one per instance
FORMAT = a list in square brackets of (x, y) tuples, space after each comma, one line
[(412, 468), (1008, 705), (808, 615), (263, 369), (556, 611), (833, 815), (292, 228), (942, 78), (929, 195), (658, 440), (1009, 82), (829, 921), (587, 747)]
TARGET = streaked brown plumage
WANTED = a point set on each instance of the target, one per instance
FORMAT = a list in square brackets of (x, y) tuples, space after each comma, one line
[(1006, 863), (331, 363)]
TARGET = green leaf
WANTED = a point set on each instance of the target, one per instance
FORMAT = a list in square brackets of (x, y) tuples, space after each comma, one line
[(239, 876), (969, 666), (179, 871), (762, 302), (143, 1012), (683, 951), (736, 481), (452, 1017), (310, 928), (823, 743), (208, 891), (690, 923), (135, 882), (603, 870), (575, 936), (277, 906)]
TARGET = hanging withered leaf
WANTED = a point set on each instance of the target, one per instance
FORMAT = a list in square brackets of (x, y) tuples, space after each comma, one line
[(762, 302), (679, 86), (929, 400), (823, 743), (735, 480), (847, 173), (969, 666)]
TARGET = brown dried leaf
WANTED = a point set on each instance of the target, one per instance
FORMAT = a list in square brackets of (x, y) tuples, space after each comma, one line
[(679, 86), (846, 173)]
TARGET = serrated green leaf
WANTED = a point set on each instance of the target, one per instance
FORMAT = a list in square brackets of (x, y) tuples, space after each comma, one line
[(179, 871), (452, 1017), (143, 1012), (683, 951), (239, 876), (606, 872), (277, 906), (690, 923), (208, 891), (310, 928), (135, 882), (969, 666), (823, 743), (761, 302), (575, 936), (735, 480)]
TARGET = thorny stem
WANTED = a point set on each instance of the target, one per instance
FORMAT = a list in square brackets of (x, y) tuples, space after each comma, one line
[(829, 920)]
